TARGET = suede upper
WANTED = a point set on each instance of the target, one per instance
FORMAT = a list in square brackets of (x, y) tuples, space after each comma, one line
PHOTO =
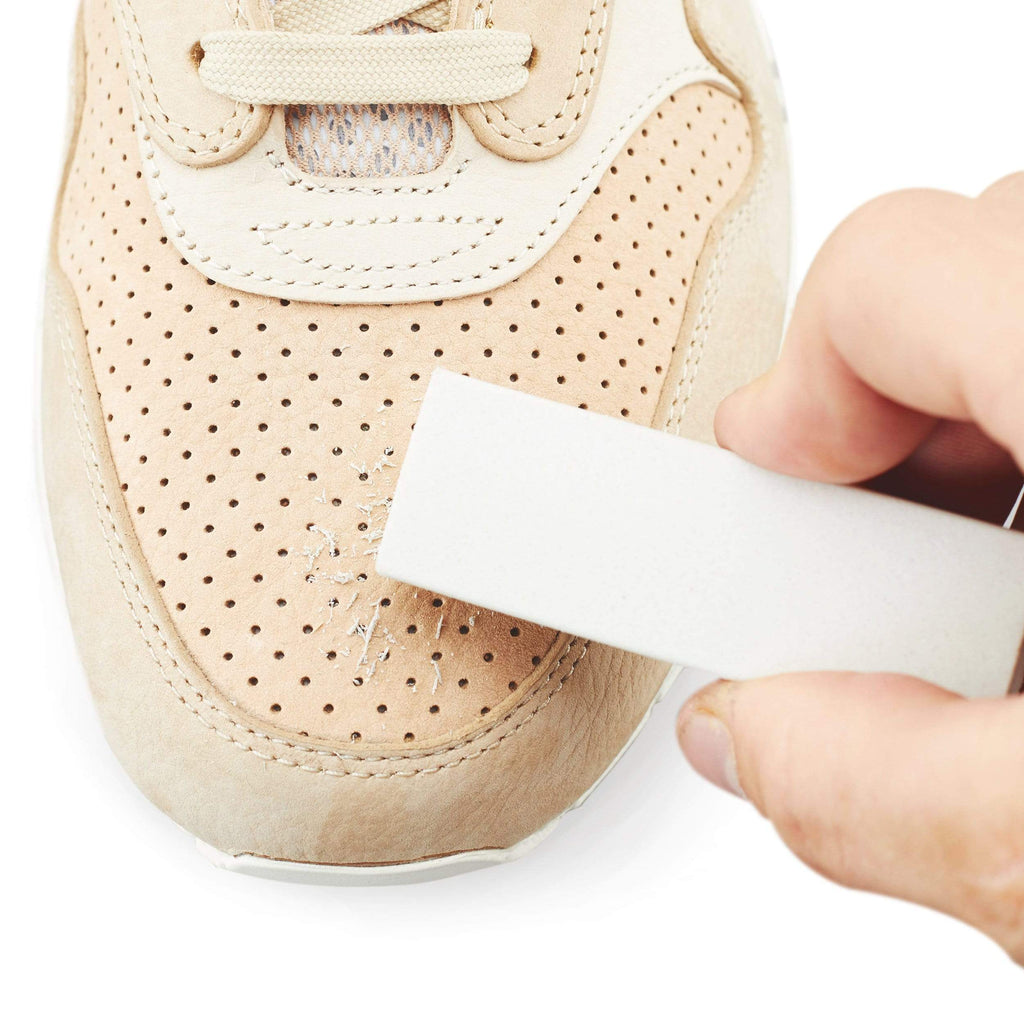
[(241, 451)]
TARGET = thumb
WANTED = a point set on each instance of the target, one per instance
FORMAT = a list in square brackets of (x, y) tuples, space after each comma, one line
[(882, 783)]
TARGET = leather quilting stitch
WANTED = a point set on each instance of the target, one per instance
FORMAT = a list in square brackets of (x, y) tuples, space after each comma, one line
[(234, 128), (265, 232), (691, 367), (508, 128), (201, 258), (730, 233)]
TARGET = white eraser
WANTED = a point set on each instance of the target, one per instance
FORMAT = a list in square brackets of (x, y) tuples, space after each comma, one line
[(685, 553)]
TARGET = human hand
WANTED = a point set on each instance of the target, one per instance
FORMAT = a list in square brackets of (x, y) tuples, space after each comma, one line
[(904, 365)]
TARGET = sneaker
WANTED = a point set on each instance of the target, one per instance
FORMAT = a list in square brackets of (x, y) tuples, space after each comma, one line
[(277, 219)]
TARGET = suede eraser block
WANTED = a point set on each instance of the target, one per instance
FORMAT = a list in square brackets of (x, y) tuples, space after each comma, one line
[(685, 553)]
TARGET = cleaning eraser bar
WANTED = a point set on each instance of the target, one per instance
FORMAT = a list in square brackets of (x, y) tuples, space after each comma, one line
[(683, 552)]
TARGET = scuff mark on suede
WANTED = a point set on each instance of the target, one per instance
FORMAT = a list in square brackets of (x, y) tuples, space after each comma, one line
[(109, 530)]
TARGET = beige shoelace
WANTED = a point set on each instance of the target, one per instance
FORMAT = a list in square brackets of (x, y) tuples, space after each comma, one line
[(319, 52)]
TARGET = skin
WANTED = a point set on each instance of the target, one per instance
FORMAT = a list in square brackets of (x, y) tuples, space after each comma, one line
[(903, 366)]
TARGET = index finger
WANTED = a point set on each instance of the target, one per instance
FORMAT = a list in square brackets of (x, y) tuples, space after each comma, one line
[(912, 313)]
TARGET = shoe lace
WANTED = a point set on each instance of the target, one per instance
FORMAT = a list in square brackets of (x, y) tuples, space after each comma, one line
[(319, 52)]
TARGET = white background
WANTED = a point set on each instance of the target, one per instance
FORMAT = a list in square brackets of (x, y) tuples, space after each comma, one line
[(660, 897)]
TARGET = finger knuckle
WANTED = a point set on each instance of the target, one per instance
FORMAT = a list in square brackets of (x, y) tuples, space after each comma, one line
[(1010, 188)]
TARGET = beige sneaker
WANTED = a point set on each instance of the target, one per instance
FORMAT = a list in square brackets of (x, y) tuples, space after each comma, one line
[(277, 219)]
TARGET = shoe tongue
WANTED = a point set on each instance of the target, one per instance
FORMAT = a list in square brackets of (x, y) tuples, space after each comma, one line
[(379, 140)]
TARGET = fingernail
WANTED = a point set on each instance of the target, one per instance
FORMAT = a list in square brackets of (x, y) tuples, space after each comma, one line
[(707, 744)]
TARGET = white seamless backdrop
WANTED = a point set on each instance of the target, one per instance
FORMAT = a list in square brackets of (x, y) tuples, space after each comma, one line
[(661, 898)]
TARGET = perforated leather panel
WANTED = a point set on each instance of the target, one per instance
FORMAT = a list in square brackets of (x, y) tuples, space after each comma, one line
[(258, 442)]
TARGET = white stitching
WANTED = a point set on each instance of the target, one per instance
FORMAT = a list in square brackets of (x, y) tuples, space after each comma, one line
[(134, 39), (590, 72), (702, 327), (736, 223), (263, 233), (199, 257)]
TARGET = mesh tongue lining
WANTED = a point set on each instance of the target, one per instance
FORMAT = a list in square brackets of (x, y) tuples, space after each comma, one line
[(369, 141)]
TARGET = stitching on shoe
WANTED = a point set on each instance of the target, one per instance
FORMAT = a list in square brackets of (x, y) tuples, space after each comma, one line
[(263, 231), (709, 301), (581, 70), (104, 512), (189, 245), (137, 49), (735, 225)]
